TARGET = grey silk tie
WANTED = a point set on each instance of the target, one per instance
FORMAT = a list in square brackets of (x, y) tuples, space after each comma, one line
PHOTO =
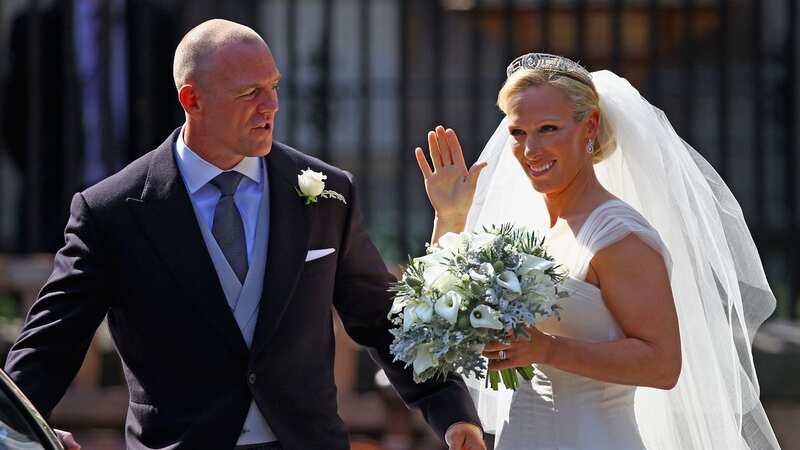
[(228, 228)]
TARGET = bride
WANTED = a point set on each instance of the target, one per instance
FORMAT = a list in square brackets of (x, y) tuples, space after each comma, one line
[(666, 288)]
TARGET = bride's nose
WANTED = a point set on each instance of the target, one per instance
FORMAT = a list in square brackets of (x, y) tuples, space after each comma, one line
[(532, 148)]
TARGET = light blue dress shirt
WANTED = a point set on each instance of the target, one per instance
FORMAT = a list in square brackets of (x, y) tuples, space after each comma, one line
[(197, 174)]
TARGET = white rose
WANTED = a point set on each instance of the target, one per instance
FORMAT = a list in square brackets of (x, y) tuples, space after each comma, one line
[(311, 183), (445, 282), (448, 305), (485, 317), (450, 241), (482, 240), (432, 272)]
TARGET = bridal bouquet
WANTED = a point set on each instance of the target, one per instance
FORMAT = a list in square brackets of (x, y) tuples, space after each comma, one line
[(471, 289)]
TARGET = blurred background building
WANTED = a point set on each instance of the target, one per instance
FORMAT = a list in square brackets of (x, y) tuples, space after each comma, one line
[(87, 87)]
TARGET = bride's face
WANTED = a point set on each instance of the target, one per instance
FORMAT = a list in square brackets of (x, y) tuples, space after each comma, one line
[(547, 141)]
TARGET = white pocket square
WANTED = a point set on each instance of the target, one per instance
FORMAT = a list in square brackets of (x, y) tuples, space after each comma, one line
[(317, 254)]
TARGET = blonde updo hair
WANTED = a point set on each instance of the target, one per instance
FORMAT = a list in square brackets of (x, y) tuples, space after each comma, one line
[(583, 97)]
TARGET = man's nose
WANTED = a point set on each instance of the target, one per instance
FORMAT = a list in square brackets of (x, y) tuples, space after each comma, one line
[(269, 103)]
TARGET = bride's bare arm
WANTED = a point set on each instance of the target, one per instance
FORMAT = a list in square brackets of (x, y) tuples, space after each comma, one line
[(450, 186), (635, 286)]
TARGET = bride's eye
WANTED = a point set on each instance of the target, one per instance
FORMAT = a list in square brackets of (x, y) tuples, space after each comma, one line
[(516, 132), (547, 128)]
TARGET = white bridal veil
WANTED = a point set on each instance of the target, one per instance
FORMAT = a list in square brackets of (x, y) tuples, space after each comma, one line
[(719, 286)]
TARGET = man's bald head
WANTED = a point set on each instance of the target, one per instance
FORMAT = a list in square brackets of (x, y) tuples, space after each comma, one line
[(197, 50)]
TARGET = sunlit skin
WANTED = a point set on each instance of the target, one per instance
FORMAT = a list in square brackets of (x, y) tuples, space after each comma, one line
[(230, 110), (550, 146), (230, 114)]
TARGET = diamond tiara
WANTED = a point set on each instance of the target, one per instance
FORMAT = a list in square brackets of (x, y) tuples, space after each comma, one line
[(550, 63)]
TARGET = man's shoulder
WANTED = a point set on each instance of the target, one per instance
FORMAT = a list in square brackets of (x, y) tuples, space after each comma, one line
[(128, 182)]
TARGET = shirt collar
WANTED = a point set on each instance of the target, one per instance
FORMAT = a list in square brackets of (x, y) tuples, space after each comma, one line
[(198, 172)]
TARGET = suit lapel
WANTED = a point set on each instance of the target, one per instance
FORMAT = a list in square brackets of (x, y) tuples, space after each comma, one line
[(289, 231), (167, 217)]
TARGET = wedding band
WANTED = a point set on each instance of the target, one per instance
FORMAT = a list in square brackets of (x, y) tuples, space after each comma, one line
[(501, 355)]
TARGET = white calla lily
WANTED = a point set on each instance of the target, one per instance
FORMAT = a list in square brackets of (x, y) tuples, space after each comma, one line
[(447, 306), (409, 318), (531, 262), (423, 359), (483, 273), (485, 317), (491, 296), (509, 280), (424, 310)]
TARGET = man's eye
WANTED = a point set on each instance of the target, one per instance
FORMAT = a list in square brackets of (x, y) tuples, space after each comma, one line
[(548, 128), (275, 87)]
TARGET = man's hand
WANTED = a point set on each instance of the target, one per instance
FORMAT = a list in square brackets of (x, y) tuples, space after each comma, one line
[(67, 440), (464, 436)]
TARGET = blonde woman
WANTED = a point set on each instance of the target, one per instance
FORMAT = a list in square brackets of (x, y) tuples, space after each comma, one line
[(666, 288)]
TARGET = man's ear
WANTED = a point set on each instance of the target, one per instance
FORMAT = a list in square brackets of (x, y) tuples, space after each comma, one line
[(188, 98)]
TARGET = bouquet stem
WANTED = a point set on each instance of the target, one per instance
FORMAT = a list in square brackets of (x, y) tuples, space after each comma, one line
[(509, 377)]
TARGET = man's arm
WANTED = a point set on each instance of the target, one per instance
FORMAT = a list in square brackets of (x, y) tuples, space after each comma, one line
[(363, 302), (60, 325)]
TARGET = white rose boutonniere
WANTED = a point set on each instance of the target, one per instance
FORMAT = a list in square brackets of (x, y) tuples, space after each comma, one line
[(311, 186)]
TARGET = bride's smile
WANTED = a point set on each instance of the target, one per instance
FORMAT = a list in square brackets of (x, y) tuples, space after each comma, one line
[(547, 139)]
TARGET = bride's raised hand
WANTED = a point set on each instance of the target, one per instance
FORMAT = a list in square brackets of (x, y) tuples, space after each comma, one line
[(450, 186)]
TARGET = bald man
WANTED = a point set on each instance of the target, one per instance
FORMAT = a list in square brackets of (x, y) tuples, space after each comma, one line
[(218, 278)]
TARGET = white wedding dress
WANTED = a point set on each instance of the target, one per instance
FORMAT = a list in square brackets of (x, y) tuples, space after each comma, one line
[(674, 201), (561, 410)]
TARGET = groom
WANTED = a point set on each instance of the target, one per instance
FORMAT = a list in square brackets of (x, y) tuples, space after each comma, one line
[(218, 279)]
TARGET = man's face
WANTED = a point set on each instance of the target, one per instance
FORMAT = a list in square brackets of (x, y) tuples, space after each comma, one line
[(239, 99)]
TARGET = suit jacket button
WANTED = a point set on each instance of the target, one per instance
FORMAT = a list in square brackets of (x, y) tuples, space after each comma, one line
[(251, 378)]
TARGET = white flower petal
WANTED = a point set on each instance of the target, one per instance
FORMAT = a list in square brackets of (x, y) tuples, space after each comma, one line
[(409, 318), (423, 359), (424, 311), (485, 317), (530, 263), (509, 280), (311, 183), (447, 306)]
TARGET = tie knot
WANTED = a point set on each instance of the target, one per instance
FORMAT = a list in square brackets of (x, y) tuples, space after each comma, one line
[(227, 182)]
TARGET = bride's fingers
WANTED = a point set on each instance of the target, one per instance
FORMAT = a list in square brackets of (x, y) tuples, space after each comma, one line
[(435, 151), (424, 167), (495, 347), (475, 172), (444, 146), (456, 152), (500, 364)]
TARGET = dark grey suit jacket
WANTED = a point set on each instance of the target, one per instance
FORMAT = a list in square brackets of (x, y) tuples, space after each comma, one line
[(134, 252)]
